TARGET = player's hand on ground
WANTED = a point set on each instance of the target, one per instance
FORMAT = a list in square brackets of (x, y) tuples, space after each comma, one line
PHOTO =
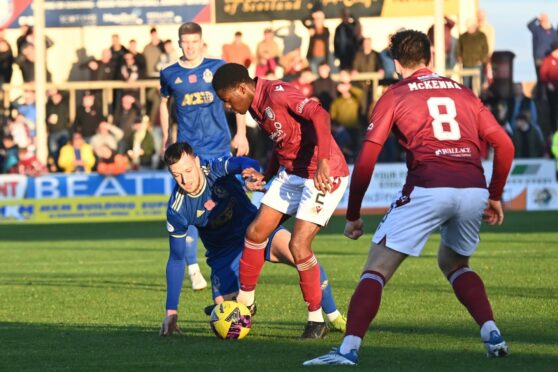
[(493, 214), (321, 179), (170, 326), (240, 144), (253, 179), (353, 229)]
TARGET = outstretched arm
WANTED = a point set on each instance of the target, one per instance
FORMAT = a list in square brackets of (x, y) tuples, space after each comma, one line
[(175, 276), (164, 117), (240, 142), (237, 164)]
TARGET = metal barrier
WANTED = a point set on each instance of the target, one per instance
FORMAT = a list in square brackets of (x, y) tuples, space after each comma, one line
[(107, 87)]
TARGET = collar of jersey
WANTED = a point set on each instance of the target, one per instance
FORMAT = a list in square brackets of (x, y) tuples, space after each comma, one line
[(421, 72), (189, 68), (201, 191), (260, 84)]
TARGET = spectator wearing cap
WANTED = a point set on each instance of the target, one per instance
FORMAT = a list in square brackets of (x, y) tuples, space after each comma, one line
[(76, 156), (543, 36), (549, 77), (237, 51)]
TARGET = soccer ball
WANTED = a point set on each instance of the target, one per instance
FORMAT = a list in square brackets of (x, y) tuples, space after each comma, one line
[(230, 320)]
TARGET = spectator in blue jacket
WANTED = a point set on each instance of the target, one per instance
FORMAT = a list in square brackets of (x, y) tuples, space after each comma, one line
[(543, 36)]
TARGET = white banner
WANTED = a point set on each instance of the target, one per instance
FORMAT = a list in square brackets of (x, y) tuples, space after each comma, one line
[(12, 186), (531, 185)]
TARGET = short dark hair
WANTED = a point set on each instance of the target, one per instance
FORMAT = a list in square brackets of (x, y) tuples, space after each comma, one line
[(410, 48), (229, 76), (189, 28), (175, 151)]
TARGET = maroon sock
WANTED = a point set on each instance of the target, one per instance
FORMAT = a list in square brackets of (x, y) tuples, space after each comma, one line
[(251, 263), (469, 289), (309, 274), (364, 303)]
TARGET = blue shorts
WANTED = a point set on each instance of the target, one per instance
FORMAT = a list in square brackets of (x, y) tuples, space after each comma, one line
[(225, 269)]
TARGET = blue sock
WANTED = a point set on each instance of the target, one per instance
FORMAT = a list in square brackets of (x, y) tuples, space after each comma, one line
[(328, 303), (175, 272), (192, 245)]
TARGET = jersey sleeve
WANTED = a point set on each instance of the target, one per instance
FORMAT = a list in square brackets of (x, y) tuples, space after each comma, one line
[(177, 225), (381, 120), (486, 122), (296, 103), (310, 111), (165, 88), (218, 166)]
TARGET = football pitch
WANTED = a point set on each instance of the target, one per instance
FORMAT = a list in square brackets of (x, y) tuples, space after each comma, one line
[(91, 297)]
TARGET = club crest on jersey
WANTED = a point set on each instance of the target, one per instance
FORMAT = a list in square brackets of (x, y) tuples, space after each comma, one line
[(207, 75), (269, 113), (279, 88), (192, 79), (209, 205), (178, 80)]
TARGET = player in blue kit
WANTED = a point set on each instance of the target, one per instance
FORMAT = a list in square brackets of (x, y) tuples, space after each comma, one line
[(209, 196), (201, 116)]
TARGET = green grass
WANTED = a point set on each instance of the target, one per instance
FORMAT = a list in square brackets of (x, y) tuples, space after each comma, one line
[(91, 297)]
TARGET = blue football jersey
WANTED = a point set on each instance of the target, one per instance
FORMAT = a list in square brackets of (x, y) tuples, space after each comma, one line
[(200, 112), (221, 211)]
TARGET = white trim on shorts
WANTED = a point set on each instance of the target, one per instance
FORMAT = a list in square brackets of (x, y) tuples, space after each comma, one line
[(297, 196), (456, 213)]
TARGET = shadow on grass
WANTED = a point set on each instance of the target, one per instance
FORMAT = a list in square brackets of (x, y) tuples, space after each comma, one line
[(518, 222), (69, 347)]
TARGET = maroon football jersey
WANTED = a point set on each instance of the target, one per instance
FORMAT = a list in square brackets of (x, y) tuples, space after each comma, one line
[(285, 115), (439, 123)]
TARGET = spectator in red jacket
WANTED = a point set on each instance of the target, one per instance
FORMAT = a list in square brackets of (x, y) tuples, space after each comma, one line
[(549, 77)]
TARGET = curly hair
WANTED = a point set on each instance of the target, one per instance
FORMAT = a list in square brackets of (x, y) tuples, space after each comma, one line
[(411, 48), (229, 76)]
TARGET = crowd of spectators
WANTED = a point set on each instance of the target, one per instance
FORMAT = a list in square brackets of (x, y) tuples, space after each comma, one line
[(128, 138)]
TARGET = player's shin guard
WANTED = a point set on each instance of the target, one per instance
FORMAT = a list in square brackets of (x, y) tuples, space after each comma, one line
[(251, 263), (328, 302), (192, 245), (365, 303), (309, 273), (469, 289)]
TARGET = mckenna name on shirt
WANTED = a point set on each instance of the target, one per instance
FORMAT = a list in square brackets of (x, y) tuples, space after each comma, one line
[(433, 84)]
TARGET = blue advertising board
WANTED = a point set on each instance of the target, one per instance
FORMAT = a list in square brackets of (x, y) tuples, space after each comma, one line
[(78, 13)]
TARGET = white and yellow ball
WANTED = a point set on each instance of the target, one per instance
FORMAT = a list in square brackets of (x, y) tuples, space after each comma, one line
[(231, 320)]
